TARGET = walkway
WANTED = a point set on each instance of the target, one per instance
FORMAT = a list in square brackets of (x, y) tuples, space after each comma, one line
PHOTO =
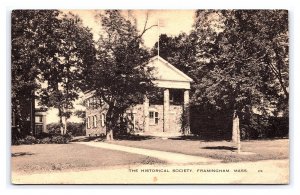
[(170, 157)]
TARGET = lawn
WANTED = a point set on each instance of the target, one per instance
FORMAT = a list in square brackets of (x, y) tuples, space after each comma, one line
[(253, 150), (60, 157)]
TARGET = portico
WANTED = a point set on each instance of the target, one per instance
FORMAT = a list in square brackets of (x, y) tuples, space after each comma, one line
[(175, 117)]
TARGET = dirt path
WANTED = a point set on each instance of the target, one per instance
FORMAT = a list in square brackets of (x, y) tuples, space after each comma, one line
[(171, 157), (262, 172)]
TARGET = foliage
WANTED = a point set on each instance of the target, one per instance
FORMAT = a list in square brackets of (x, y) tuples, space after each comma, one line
[(75, 129), (31, 29), (28, 140), (80, 114), (65, 71), (51, 139), (238, 60), (46, 140), (178, 50), (53, 128), (50, 54), (60, 139), (236, 76), (119, 77)]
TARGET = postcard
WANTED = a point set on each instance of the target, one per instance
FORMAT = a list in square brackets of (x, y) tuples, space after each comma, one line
[(149, 97)]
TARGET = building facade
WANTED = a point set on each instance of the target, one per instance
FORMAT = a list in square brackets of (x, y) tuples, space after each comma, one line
[(169, 115)]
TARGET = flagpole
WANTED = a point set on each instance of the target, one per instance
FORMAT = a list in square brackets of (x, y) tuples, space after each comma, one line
[(158, 38)]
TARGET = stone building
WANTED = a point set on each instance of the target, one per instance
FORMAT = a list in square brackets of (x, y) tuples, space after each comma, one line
[(169, 116)]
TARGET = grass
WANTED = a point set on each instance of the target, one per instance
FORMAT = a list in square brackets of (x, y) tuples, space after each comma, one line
[(222, 150), (73, 157)]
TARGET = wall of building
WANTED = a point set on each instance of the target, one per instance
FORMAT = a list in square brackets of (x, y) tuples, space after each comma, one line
[(138, 112), (176, 112), (137, 124), (160, 126), (99, 129)]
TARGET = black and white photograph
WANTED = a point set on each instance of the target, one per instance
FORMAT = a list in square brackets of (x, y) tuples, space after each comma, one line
[(128, 96)]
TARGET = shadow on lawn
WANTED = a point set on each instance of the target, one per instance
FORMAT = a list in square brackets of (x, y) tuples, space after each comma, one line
[(131, 137), (17, 154), (219, 148), (116, 137), (197, 138)]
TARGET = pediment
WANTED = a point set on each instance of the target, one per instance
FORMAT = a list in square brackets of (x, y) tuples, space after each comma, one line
[(165, 71)]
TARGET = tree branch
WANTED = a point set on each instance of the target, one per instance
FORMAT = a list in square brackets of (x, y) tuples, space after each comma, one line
[(145, 26)]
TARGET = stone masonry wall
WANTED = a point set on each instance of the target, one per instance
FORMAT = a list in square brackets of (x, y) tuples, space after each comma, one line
[(93, 131)]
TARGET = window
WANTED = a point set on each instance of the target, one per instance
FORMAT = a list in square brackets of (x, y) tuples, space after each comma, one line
[(95, 121), (153, 118), (156, 117), (103, 119), (88, 122), (94, 103), (38, 119)]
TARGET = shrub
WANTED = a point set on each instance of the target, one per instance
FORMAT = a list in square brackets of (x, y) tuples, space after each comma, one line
[(53, 128), (42, 135), (68, 136), (77, 129), (46, 140), (19, 142), (58, 139), (29, 140)]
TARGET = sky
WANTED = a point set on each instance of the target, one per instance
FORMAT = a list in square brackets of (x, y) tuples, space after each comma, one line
[(174, 23)]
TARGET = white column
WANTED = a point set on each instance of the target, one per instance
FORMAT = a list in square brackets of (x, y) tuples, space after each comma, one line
[(186, 111), (45, 130), (146, 113), (166, 110)]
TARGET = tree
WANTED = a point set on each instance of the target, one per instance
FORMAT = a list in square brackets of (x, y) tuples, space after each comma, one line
[(178, 50), (119, 77), (238, 60), (30, 30), (237, 64), (65, 71)]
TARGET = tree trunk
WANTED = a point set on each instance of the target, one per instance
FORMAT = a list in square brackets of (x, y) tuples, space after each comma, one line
[(109, 135), (65, 125), (109, 124), (32, 114), (236, 136), (61, 123)]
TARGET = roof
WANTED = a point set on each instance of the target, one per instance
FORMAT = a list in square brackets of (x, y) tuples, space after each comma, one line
[(166, 71), (165, 75)]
